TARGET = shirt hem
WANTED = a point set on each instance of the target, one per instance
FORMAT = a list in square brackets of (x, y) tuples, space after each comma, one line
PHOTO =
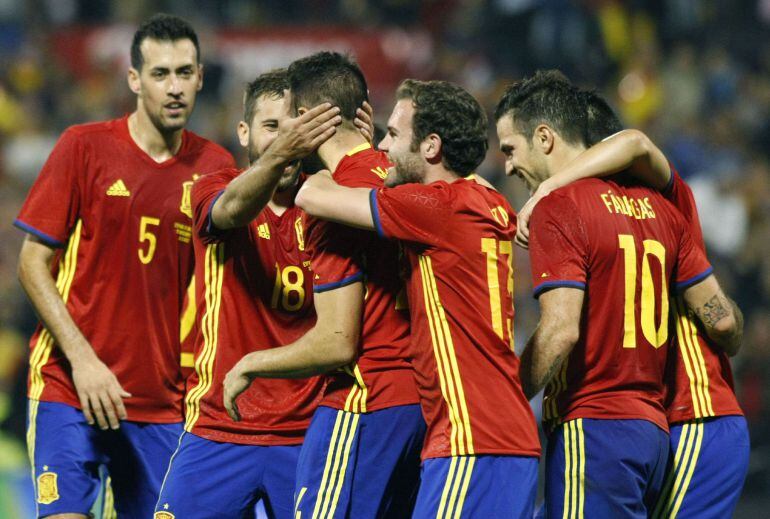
[(529, 453), (132, 416), (551, 424), (370, 408), (245, 439), (691, 418)]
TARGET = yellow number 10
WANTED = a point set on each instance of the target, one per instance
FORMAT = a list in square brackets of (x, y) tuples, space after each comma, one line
[(655, 336), (489, 246)]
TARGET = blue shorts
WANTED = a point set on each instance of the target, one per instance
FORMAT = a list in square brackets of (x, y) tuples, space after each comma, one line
[(208, 479), (604, 468), (67, 453), (477, 486), (360, 465), (707, 469)]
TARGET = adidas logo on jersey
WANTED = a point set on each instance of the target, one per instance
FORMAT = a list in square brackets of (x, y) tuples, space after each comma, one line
[(263, 231), (118, 189)]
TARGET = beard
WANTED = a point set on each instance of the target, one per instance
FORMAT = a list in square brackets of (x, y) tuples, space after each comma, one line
[(313, 164), (167, 125), (407, 169), (289, 177)]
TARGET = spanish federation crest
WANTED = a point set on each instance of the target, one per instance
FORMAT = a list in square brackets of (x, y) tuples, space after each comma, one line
[(300, 233), (186, 205), (47, 488)]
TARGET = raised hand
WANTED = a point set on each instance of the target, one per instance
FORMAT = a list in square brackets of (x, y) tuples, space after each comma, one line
[(300, 136), (525, 213), (364, 121)]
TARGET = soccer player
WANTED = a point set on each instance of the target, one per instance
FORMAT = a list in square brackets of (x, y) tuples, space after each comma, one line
[(361, 452), (106, 264), (255, 292), (709, 436), (604, 253), (481, 453)]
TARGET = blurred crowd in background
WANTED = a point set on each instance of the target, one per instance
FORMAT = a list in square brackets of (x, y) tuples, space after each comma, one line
[(693, 74)]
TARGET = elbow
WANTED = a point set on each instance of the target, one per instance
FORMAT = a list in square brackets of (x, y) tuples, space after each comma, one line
[(728, 332), (344, 348), (639, 142), (726, 326), (565, 338), (305, 200)]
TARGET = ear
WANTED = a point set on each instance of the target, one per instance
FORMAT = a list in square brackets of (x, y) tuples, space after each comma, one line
[(133, 81), (200, 77), (430, 147), (243, 132), (544, 138)]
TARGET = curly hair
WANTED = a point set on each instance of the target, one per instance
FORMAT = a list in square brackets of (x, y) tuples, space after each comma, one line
[(454, 115), (162, 27), (270, 84), (328, 77), (548, 98)]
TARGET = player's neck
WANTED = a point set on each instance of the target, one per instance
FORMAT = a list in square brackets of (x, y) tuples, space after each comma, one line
[(159, 146), (437, 173), (562, 156), (333, 151), (282, 200)]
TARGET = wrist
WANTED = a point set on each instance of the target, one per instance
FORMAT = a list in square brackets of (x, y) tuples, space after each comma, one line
[(247, 366), (276, 156), (82, 359)]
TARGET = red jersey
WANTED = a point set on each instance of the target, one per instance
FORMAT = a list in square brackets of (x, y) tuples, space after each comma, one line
[(699, 380), (254, 292), (124, 222), (382, 375), (459, 243), (624, 245)]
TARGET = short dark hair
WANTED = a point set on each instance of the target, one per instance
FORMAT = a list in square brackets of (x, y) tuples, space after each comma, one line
[(270, 84), (549, 98), (163, 27), (328, 77), (601, 119), (454, 115)]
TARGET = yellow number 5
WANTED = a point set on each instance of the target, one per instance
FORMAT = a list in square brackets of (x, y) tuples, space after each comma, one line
[(146, 236)]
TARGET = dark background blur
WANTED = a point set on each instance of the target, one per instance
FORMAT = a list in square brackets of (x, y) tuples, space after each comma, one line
[(693, 74)]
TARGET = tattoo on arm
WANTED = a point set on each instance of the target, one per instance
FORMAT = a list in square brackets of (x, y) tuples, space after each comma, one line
[(713, 311)]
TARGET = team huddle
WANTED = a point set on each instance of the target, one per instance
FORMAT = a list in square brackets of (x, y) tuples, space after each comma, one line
[(329, 332)]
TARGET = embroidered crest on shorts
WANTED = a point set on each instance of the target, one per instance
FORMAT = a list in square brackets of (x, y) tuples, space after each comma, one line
[(47, 488)]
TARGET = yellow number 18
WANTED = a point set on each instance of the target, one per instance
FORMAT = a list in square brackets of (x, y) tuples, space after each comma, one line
[(285, 286), (655, 336)]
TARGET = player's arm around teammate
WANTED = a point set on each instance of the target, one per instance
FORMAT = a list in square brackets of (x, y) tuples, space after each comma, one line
[(247, 194), (99, 391), (627, 149), (632, 150)]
